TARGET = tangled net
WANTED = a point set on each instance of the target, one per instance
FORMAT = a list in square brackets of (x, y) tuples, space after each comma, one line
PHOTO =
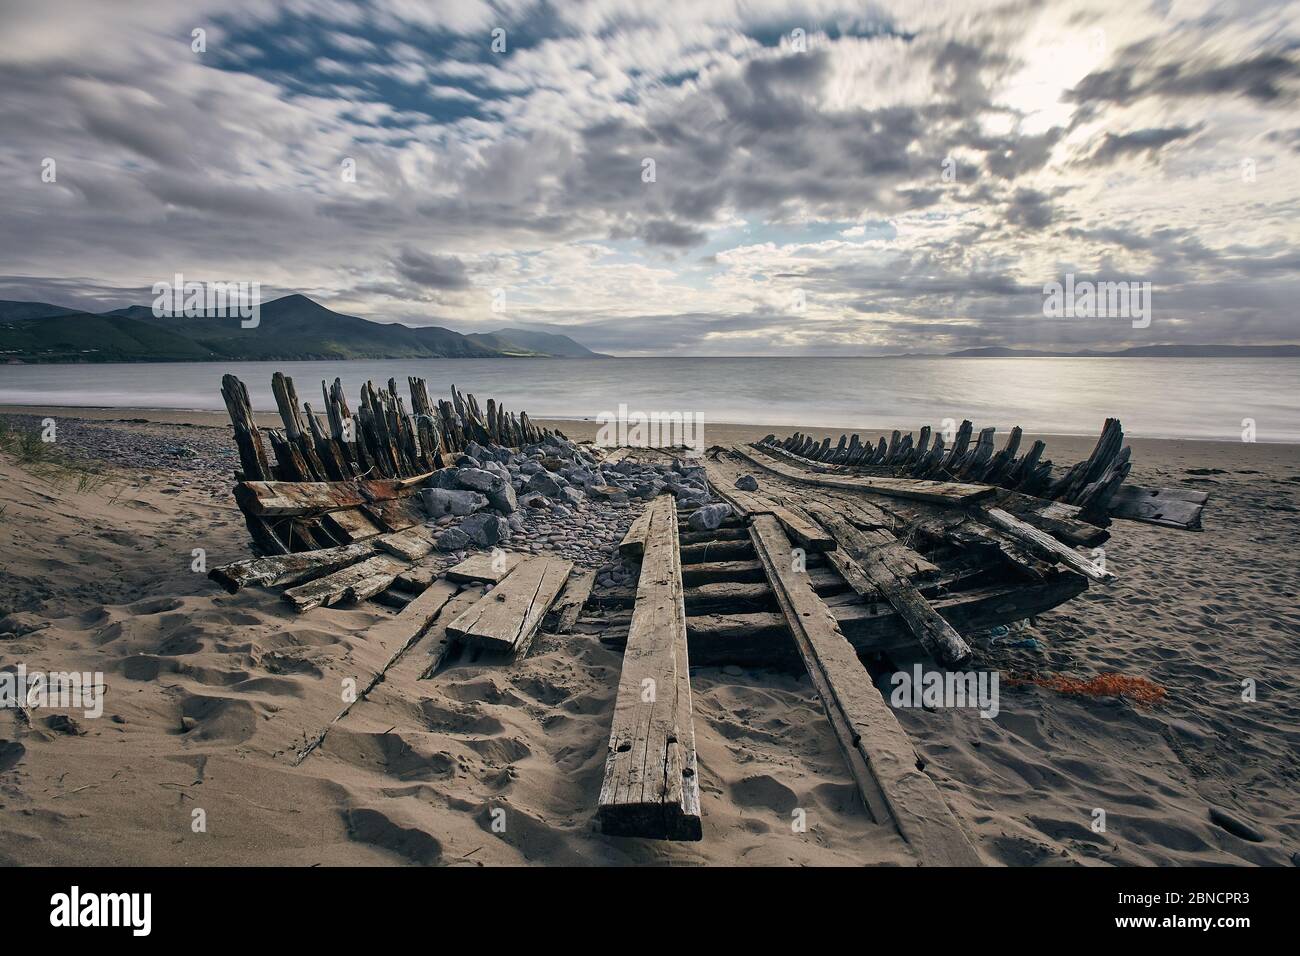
[(1137, 689)]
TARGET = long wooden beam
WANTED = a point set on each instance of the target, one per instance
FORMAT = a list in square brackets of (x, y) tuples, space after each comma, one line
[(942, 492), (880, 756), (651, 788)]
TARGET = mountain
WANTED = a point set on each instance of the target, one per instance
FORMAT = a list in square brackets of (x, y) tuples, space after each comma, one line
[(547, 343), (82, 337), (11, 311), (1141, 351), (291, 328)]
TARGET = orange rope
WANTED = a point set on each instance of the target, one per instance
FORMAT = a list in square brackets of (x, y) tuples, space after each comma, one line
[(1138, 689)]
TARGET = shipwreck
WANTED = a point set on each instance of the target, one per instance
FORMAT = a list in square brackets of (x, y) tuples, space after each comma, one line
[(832, 559)]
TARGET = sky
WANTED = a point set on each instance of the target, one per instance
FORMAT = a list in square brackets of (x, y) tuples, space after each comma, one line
[(685, 177)]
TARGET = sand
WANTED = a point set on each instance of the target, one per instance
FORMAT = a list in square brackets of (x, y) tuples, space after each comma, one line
[(414, 773)]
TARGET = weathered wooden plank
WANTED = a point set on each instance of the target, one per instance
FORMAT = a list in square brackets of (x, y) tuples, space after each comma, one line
[(353, 583), (352, 524), (711, 572), (398, 514), (633, 543), (944, 492), (568, 606), (281, 569), (487, 566), (721, 476), (882, 759), (872, 559), (1044, 542), (1170, 507), (651, 788), (408, 545), (511, 613), (277, 498), (725, 550), (405, 630)]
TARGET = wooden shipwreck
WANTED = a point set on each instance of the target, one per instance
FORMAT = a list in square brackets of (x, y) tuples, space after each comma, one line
[(842, 561), (352, 477)]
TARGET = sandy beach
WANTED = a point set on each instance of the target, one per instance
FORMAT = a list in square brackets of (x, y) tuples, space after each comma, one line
[(208, 696)]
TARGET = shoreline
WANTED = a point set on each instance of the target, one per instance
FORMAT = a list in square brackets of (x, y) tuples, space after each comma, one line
[(584, 429)]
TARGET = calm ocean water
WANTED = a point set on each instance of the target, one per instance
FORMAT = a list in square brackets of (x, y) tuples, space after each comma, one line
[(1166, 398)]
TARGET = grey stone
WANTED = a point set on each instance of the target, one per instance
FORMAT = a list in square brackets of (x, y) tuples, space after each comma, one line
[(453, 539), (485, 529), (543, 484), (476, 479), (747, 483), (467, 461), (442, 501), (709, 517), (503, 498)]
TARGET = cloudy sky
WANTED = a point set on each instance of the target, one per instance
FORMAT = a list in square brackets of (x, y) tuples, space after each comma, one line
[(684, 176)]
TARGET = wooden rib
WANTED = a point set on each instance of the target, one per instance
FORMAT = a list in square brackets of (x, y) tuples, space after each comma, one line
[(352, 524), (248, 440), (651, 788), (880, 756)]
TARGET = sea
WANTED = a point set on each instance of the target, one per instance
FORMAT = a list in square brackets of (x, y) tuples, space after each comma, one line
[(1197, 398)]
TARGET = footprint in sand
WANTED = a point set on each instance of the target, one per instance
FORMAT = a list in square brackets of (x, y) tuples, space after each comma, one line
[(222, 719), (764, 792), (378, 830)]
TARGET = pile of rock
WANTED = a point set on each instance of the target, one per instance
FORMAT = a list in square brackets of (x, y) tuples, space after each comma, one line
[(533, 497)]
